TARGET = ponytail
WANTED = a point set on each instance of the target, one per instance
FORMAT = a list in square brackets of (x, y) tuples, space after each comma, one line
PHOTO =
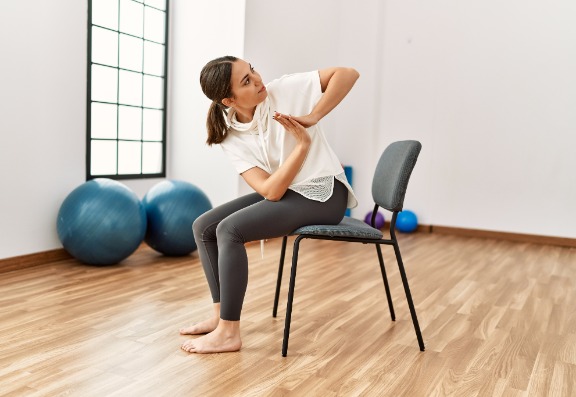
[(215, 82), (216, 124)]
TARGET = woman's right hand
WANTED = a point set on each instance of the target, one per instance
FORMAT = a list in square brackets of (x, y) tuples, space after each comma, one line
[(293, 127), (274, 186)]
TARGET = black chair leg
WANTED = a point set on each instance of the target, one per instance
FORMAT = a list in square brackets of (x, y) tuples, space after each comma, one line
[(408, 296), (279, 280), (386, 286), (290, 296)]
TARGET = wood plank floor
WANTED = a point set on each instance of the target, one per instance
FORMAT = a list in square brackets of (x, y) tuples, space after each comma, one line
[(498, 319)]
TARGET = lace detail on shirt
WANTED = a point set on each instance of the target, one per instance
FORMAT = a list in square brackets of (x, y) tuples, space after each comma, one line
[(320, 189)]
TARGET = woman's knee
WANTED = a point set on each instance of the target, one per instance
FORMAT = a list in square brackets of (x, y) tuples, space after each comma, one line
[(201, 225), (227, 230)]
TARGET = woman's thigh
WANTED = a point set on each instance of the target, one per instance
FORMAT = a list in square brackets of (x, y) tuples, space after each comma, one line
[(205, 225), (270, 219)]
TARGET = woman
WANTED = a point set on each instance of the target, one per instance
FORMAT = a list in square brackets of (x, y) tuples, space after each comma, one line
[(272, 137)]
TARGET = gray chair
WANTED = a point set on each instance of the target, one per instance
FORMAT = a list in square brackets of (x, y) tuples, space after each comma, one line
[(388, 190)]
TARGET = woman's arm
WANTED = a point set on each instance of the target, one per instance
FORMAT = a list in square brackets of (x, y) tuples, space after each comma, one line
[(336, 83), (273, 186)]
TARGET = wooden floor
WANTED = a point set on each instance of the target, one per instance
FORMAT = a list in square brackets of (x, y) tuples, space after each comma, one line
[(498, 319)]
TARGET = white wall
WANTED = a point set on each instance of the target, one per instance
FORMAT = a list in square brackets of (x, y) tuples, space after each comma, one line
[(487, 86), (43, 107), (43, 122)]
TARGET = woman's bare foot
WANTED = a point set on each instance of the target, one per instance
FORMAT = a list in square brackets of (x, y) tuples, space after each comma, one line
[(225, 338), (203, 327)]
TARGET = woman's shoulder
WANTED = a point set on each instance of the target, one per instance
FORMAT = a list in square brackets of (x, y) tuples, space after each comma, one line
[(233, 137), (295, 78), (296, 85)]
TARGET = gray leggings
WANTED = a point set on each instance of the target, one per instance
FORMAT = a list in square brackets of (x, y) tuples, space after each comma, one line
[(220, 235)]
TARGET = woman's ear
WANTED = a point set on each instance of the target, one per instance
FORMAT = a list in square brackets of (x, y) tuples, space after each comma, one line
[(228, 102)]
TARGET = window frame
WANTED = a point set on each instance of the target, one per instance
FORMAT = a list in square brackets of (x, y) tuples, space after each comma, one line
[(89, 101)]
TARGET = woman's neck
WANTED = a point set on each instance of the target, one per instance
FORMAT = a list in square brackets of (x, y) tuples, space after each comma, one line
[(245, 115)]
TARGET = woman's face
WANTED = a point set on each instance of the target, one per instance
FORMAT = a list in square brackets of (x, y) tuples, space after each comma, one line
[(247, 86)]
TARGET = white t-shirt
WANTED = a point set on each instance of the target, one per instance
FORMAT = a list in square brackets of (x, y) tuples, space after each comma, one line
[(265, 144)]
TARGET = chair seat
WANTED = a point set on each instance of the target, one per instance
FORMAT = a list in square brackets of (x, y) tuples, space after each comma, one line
[(349, 227)]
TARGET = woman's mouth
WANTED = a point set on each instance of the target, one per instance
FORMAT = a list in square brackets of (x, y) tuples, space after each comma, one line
[(262, 89)]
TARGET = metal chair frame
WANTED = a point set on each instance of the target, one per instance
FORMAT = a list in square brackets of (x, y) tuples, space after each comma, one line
[(393, 241)]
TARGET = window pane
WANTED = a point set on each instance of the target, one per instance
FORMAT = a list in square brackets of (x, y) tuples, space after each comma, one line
[(127, 87), (154, 25), (129, 155), (161, 4), (154, 58), (130, 53), (129, 123), (152, 160), (103, 160), (130, 88), (152, 130), (131, 18), (104, 84), (105, 13), (153, 92), (103, 121), (104, 46)]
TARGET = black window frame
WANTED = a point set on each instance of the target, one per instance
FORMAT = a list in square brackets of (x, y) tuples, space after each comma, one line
[(89, 101)]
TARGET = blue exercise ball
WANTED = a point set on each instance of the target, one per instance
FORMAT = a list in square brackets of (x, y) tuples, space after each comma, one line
[(378, 222), (172, 206), (101, 222), (406, 221)]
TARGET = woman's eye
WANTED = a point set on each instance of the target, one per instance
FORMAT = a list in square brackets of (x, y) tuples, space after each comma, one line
[(248, 79)]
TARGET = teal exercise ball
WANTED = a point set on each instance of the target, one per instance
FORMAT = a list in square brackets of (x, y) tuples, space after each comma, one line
[(406, 221), (171, 208), (101, 222)]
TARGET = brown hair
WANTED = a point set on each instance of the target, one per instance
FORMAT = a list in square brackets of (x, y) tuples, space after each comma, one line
[(215, 80)]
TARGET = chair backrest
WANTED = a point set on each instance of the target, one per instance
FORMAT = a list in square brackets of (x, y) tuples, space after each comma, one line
[(393, 173)]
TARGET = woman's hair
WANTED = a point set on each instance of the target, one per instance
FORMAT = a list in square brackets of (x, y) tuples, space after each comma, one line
[(215, 80)]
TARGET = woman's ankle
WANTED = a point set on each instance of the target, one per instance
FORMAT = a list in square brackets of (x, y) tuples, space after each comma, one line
[(228, 327)]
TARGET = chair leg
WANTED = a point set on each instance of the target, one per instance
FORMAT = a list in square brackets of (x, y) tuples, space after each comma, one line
[(279, 280), (408, 296), (290, 296), (386, 286)]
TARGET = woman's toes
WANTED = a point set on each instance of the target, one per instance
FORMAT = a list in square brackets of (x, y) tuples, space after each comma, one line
[(188, 346), (185, 331), (203, 327)]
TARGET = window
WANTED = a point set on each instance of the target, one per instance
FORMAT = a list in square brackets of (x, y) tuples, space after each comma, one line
[(126, 114)]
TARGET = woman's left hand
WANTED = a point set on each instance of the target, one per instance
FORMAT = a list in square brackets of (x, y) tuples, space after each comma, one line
[(305, 121), (294, 128)]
